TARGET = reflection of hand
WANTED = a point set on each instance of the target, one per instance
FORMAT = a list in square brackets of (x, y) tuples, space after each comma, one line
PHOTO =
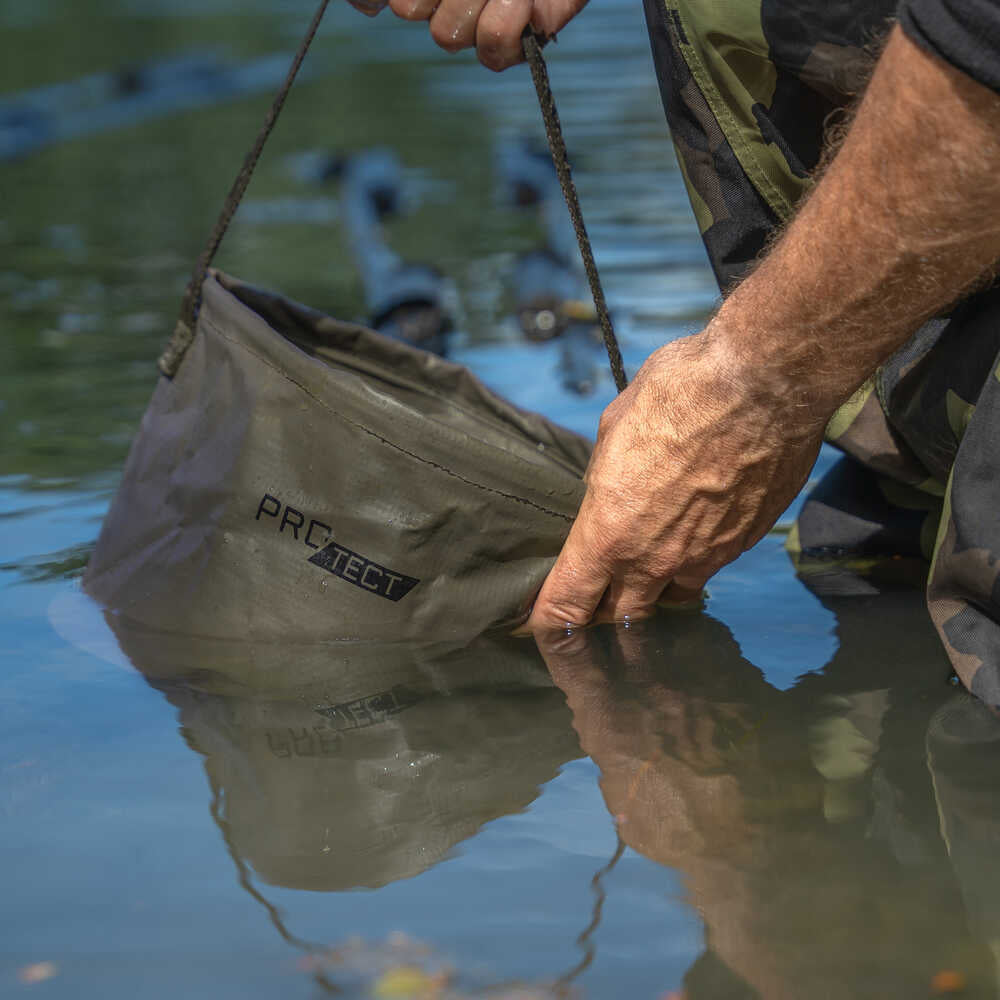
[(665, 753), (676, 732), (707, 769), (693, 464), (493, 26)]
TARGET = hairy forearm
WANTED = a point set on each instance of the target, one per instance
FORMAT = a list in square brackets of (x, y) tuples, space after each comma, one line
[(904, 220), (717, 432)]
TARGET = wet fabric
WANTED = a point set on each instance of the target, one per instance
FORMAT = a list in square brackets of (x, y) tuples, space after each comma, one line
[(748, 89), (304, 479)]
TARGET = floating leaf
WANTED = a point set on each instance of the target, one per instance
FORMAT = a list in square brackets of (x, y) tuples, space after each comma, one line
[(407, 982), (38, 972), (948, 981)]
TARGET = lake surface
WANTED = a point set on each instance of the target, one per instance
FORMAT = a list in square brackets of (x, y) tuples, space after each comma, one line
[(780, 795)]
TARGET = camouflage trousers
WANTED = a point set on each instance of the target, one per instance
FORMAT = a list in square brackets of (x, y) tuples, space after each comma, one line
[(750, 89)]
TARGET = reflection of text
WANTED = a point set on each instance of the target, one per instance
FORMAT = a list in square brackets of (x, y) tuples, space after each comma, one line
[(294, 742), (370, 710), (323, 740)]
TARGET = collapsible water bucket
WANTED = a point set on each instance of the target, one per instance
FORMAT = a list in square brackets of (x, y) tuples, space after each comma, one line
[(297, 478), (303, 478)]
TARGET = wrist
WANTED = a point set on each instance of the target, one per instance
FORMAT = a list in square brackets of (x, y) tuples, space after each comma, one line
[(785, 372)]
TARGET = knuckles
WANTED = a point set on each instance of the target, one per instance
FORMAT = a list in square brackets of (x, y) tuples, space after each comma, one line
[(559, 615)]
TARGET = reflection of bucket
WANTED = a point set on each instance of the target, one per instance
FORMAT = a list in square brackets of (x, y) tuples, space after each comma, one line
[(355, 764)]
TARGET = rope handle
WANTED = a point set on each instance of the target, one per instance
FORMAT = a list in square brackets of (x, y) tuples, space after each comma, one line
[(531, 43), (183, 334)]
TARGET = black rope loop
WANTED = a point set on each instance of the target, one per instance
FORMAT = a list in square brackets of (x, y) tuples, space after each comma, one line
[(183, 333), (532, 45)]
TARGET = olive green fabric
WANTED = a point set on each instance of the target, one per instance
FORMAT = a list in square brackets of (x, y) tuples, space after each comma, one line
[(305, 479), (749, 88), (353, 764)]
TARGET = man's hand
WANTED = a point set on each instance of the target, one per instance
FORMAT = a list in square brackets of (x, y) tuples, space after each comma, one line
[(694, 463), (696, 459), (494, 27)]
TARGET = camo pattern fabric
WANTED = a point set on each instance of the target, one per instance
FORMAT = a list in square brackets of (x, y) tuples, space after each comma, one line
[(751, 89)]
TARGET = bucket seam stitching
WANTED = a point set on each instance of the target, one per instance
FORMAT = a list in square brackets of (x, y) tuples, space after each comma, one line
[(378, 371), (378, 437), (409, 383)]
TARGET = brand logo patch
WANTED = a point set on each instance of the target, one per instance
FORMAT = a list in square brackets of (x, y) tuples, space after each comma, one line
[(363, 573), (337, 559)]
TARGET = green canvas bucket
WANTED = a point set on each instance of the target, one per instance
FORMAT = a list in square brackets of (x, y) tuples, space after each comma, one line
[(300, 479), (304, 479)]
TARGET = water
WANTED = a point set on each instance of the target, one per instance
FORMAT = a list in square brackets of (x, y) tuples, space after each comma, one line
[(805, 804)]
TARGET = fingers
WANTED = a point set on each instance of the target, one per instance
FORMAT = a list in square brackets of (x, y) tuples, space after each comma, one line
[(453, 24), (575, 585), (583, 665), (550, 16), (591, 582), (413, 10), (585, 587), (586, 656), (684, 590), (568, 655), (498, 33), (629, 598), (493, 26)]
